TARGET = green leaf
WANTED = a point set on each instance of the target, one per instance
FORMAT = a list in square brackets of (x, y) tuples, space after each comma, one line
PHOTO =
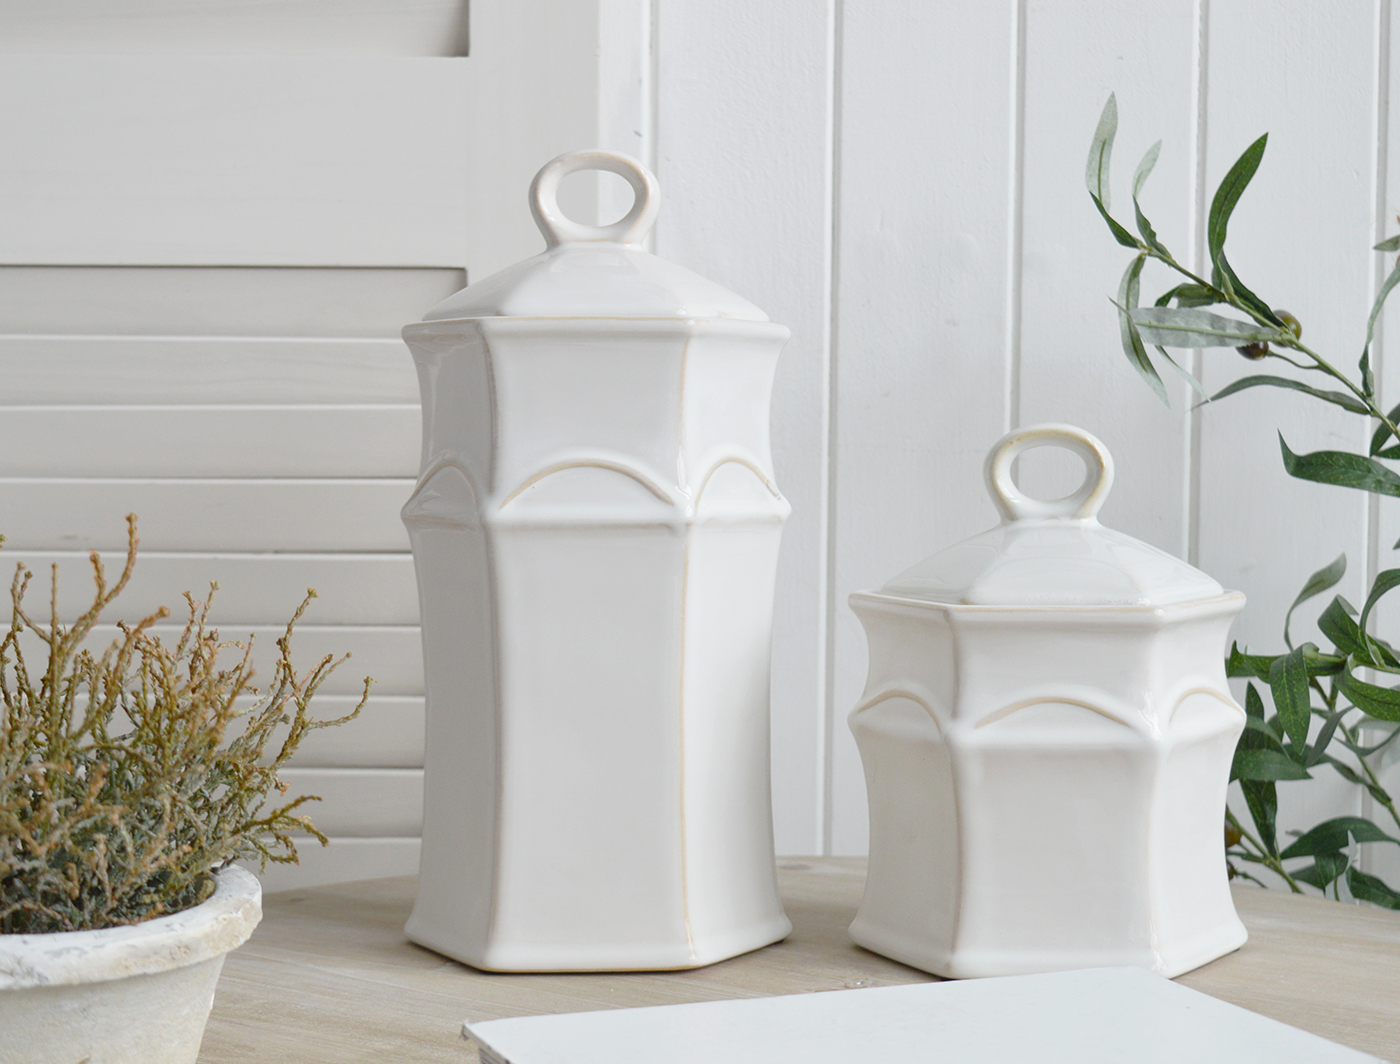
[(1367, 751), (1342, 468), (1139, 179), (1257, 734), (1316, 584), (1384, 582), (1336, 624), (1217, 225), (1240, 663), (1144, 168), (1382, 433), (1229, 192), (1319, 747), (1335, 834), (1383, 703), (1262, 798), (1132, 342), (1266, 765), (1371, 888), (1324, 870), (1346, 402), (1100, 149), (1185, 373), (1190, 295), (1348, 774), (1391, 281), (1288, 680), (1368, 379), (1391, 243), (1192, 327), (1225, 277), (1119, 233)]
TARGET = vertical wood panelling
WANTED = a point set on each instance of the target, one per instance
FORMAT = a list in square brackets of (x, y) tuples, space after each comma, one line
[(532, 85), (1299, 238), (743, 157), (1385, 860), (1072, 367), (921, 339)]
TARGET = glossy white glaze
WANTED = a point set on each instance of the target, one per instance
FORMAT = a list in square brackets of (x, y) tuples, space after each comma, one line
[(596, 531), (1052, 551), (1047, 772)]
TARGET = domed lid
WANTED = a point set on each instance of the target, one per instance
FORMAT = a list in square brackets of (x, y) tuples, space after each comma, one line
[(1052, 552), (595, 271)]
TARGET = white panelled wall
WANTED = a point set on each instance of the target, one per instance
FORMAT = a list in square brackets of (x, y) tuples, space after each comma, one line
[(205, 259)]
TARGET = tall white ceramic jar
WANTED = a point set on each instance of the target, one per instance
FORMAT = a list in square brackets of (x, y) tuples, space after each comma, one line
[(595, 531), (1047, 737)]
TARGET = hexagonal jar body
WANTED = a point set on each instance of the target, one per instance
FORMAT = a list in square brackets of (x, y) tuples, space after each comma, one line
[(595, 533), (1046, 781)]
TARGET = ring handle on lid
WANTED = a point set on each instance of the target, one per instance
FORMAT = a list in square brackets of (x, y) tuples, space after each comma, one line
[(630, 229), (1081, 504)]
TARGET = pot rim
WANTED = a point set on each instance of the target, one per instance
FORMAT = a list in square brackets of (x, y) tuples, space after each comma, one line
[(64, 958)]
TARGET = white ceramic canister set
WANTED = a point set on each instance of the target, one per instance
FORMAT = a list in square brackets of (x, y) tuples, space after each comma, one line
[(1046, 729)]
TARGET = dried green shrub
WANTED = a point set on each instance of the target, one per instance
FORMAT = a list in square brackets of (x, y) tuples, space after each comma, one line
[(125, 779)]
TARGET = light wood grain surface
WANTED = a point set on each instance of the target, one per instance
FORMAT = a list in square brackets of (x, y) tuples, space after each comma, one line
[(329, 976)]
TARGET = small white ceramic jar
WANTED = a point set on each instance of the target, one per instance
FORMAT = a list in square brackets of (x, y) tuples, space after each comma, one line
[(1047, 735), (595, 532)]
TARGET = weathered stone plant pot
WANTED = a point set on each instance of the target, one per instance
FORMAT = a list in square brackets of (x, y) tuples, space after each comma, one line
[(123, 995)]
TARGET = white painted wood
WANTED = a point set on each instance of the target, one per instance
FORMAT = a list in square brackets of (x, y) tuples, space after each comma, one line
[(253, 588), (1384, 861), (1071, 366), (136, 370), (730, 220), (205, 515), (218, 302), (343, 859), (388, 733), (235, 27), (920, 386), (532, 93), (211, 441), (1299, 238), (359, 802), (626, 97), (258, 161)]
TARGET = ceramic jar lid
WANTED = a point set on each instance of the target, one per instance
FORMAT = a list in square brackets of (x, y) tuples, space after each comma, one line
[(595, 271), (1052, 552)]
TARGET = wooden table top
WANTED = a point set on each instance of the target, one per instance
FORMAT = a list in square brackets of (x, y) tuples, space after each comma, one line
[(329, 977)]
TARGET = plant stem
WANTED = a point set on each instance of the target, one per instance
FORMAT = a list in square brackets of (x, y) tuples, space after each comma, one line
[(1387, 802), (1261, 855), (1342, 378), (1320, 363)]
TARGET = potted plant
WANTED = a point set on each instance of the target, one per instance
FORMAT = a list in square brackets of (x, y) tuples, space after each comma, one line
[(131, 779), (1334, 709)]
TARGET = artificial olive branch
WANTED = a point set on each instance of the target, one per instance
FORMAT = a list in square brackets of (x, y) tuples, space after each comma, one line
[(1282, 746)]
